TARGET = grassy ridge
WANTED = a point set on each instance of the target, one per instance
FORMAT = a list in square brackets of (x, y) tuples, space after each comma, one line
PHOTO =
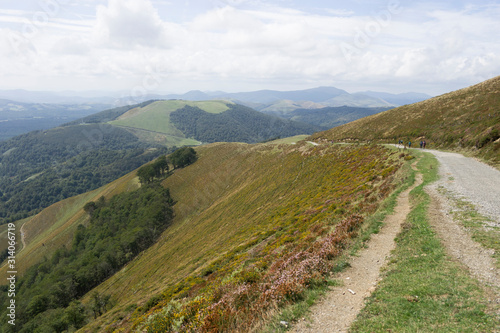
[(155, 117), (239, 209), (467, 120), (423, 290)]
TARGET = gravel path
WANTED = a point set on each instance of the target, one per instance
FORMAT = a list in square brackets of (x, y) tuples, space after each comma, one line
[(476, 182), (479, 184)]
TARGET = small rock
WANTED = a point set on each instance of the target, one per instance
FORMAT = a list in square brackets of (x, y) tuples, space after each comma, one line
[(284, 323)]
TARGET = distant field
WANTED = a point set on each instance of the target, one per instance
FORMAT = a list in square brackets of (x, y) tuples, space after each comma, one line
[(156, 116)]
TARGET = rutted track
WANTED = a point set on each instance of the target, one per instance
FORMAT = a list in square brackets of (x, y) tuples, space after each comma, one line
[(479, 184)]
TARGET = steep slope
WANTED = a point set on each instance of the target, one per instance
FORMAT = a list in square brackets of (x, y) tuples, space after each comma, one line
[(467, 120), (240, 209)]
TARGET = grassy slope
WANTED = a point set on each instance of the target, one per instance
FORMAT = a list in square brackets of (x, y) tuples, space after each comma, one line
[(236, 193), (55, 225), (155, 117), (463, 120)]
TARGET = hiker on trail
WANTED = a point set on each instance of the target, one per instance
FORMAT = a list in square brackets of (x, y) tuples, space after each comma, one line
[(424, 144), (409, 144), (421, 144)]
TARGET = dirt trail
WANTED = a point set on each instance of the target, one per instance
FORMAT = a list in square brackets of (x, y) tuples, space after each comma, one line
[(464, 177), (339, 308)]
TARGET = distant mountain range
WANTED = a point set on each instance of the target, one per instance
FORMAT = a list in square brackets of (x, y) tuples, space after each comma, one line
[(22, 111), (287, 101), (269, 100)]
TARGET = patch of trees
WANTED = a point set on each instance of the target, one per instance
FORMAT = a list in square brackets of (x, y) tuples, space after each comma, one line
[(180, 158), (238, 124), (40, 168), (183, 157), (118, 230), (158, 169)]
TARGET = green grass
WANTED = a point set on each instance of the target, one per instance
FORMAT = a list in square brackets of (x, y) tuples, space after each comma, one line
[(423, 290), (155, 117), (298, 310)]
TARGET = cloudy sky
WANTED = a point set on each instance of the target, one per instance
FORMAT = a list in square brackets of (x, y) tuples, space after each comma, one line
[(240, 45)]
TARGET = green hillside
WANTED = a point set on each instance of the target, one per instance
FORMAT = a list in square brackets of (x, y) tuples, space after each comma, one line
[(155, 117), (239, 210), (178, 122), (467, 120)]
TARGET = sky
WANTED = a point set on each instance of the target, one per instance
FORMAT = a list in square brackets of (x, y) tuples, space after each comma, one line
[(155, 46)]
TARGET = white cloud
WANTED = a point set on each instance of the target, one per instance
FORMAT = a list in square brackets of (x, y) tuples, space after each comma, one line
[(128, 23), (247, 41)]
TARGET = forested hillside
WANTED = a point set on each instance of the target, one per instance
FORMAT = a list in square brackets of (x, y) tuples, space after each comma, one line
[(329, 117), (117, 231), (238, 124), (40, 168)]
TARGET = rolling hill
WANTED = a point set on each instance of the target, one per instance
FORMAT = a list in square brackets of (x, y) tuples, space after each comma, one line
[(189, 123), (466, 120), (40, 168), (275, 101), (241, 212)]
